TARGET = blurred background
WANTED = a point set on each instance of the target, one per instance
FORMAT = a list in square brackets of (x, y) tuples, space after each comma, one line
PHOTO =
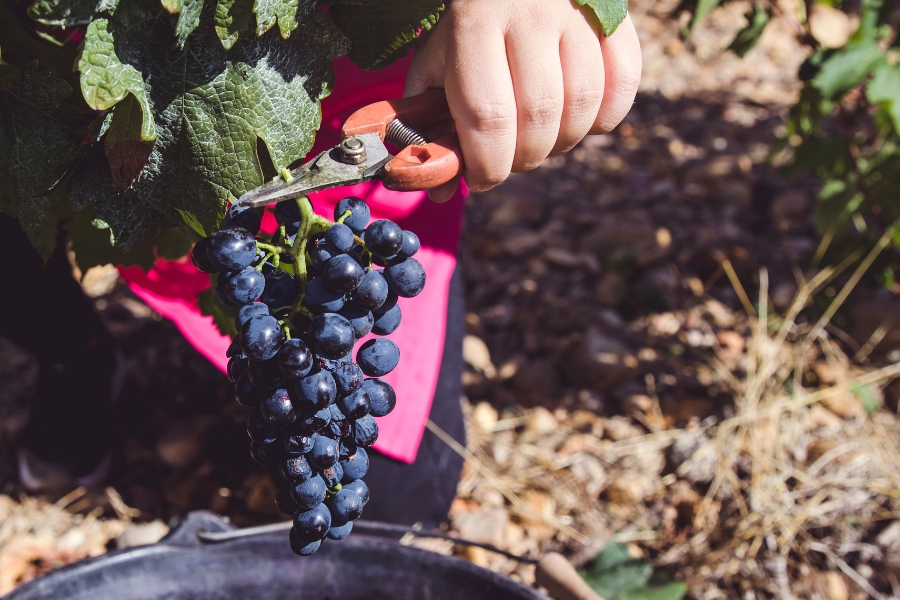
[(681, 340)]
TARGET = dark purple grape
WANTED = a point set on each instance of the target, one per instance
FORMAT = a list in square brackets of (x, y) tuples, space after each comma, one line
[(279, 290), (359, 213), (245, 286), (333, 364), (387, 322), (365, 431), (333, 475), (234, 348), (321, 298), (320, 251), (348, 378), (248, 394), (405, 277), (331, 336), (264, 454), (383, 238), (287, 213), (356, 466), (382, 397), (339, 427), (259, 429), (266, 373), (371, 292), (200, 258), (378, 357), (309, 493), (316, 390), (325, 452), (248, 311), (312, 420), (362, 490), (361, 320), (222, 291), (284, 502), (237, 366), (294, 358), (339, 530), (343, 273), (246, 217), (313, 524), (301, 548), (340, 236), (277, 409), (354, 405), (232, 249), (410, 245), (295, 469), (298, 443), (346, 505), (261, 337)]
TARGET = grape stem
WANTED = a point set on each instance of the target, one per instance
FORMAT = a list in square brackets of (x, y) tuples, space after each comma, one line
[(310, 225)]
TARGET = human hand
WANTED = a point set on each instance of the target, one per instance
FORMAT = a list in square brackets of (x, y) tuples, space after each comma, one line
[(525, 79)]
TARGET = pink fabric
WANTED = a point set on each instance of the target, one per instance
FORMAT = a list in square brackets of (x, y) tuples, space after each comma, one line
[(171, 287)]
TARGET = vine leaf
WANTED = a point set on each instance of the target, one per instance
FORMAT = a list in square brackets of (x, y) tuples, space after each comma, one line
[(188, 17), (284, 12), (125, 147), (747, 38), (381, 31), (69, 13), (35, 129), (223, 316), (105, 80), (210, 107), (232, 19), (704, 7), (885, 89), (847, 68), (610, 13)]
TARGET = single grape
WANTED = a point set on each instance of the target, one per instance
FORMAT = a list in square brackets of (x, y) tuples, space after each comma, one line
[(284, 502), (248, 394), (371, 292), (333, 475), (295, 469), (313, 524), (361, 320), (259, 429), (279, 290), (246, 217), (321, 298), (294, 358), (316, 390), (346, 505), (298, 443), (331, 336), (343, 274), (348, 447), (405, 277), (362, 490), (333, 364), (378, 357), (365, 431), (356, 466), (325, 452), (245, 286), (301, 548), (339, 427), (354, 405), (200, 258), (266, 373), (410, 245), (232, 249), (309, 493), (261, 337), (234, 348), (320, 251), (348, 378), (359, 213), (277, 409), (264, 454), (340, 236), (300, 324), (247, 311), (222, 291), (339, 530), (383, 238), (382, 397), (312, 420), (287, 213), (237, 366), (387, 322)]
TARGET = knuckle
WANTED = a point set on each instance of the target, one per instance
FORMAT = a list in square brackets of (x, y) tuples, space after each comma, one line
[(541, 112), (489, 116)]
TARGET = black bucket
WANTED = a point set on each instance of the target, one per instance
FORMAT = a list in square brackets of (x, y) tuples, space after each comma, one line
[(259, 565)]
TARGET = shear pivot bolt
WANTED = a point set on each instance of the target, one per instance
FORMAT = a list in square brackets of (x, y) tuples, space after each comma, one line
[(353, 151)]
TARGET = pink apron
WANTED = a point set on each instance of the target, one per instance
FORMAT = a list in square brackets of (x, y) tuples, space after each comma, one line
[(171, 287)]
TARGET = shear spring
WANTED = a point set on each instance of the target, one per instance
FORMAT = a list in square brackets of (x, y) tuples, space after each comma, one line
[(402, 135)]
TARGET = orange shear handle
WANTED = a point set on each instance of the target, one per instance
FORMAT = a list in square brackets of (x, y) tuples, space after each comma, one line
[(413, 167)]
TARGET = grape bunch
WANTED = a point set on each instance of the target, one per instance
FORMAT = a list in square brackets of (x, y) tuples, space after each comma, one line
[(306, 296)]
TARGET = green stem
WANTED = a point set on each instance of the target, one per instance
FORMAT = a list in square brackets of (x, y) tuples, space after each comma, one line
[(344, 216)]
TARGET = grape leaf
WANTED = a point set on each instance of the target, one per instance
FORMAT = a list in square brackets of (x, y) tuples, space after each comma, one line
[(232, 18), (885, 89), (210, 106), (223, 316), (69, 13), (610, 13), (747, 38), (282, 11), (703, 8), (188, 16), (847, 68), (125, 147), (381, 31), (35, 131)]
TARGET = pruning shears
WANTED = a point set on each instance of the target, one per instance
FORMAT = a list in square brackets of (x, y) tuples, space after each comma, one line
[(407, 123)]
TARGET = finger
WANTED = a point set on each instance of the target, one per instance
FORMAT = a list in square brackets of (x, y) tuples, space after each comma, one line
[(537, 78), (445, 191), (426, 69), (482, 102), (583, 80), (622, 66)]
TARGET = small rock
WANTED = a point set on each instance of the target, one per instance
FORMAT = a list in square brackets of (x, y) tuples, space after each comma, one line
[(485, 525), (721, 314), (628, 488), (835, 586), (541, 421), (844, 405), (484, 416), (100, 280), (599, 361), (141, 534), (829, 26), (699, 466), (590, 472), (620, 428), (478, 356), (586, 422)]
